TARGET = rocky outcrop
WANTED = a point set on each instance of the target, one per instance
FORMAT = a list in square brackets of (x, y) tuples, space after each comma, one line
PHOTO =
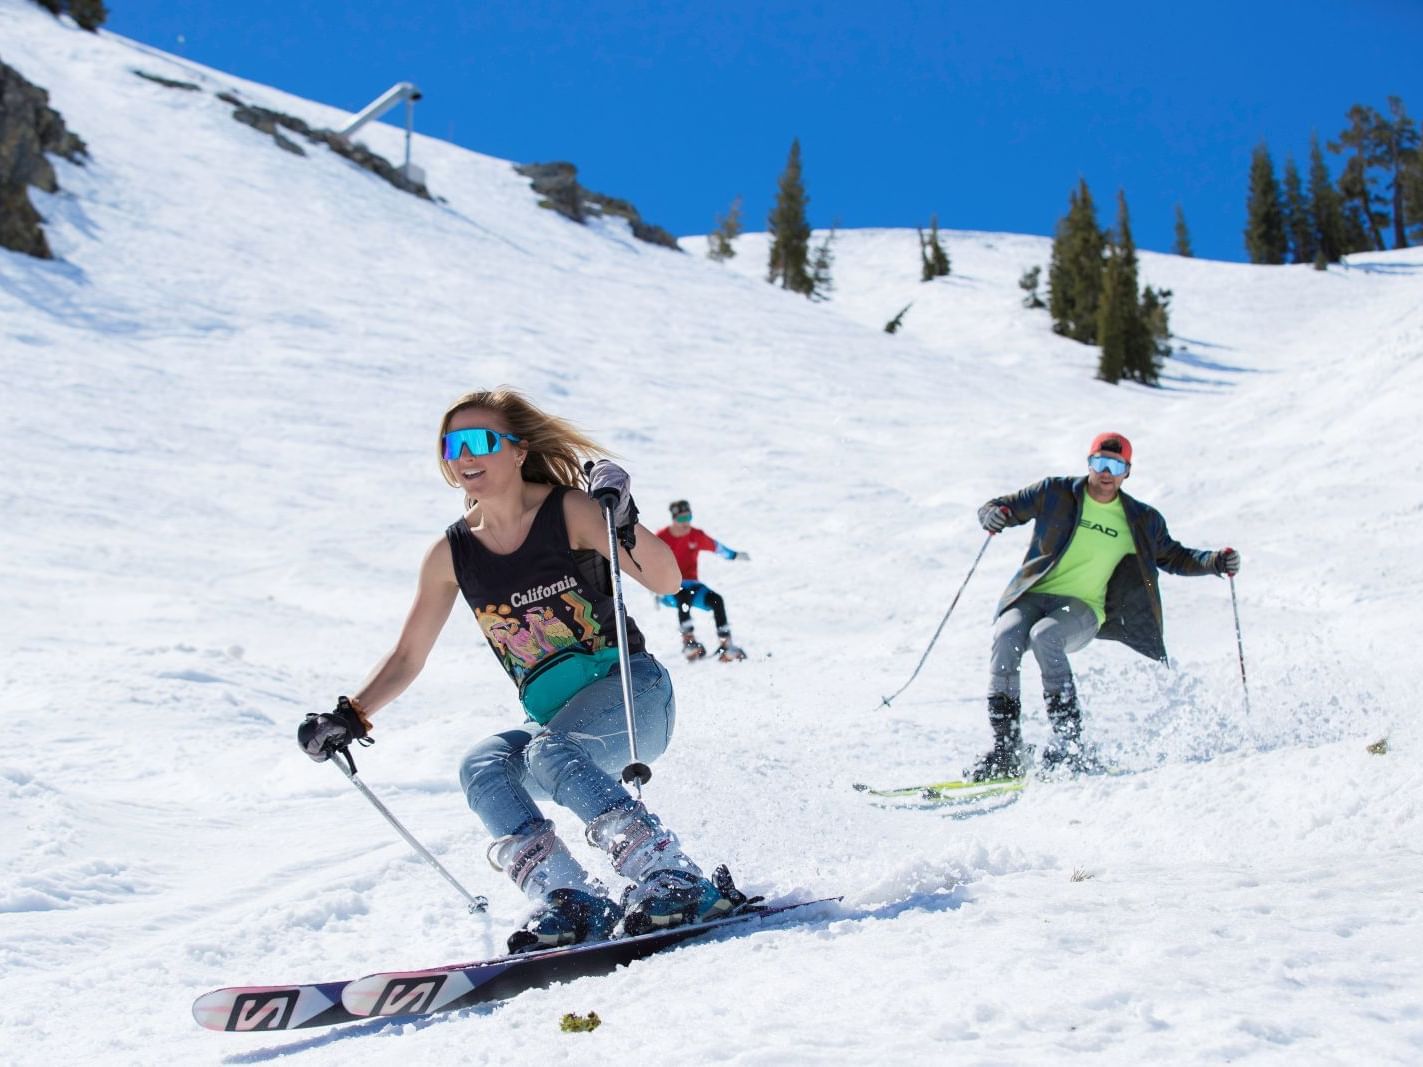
[(29, 130), (557, 184), (273, 122), (169, 83)]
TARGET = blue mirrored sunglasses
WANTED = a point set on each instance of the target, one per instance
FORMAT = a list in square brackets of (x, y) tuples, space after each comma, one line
[(477, 441), (1110, 464)]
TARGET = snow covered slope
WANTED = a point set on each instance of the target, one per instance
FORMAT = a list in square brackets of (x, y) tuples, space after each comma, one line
[(219, 415)]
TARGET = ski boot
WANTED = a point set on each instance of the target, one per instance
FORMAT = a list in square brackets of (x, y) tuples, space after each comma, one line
[(691, 647), (1068, 752), (726, 652), (1006, 758), (572, 907), (668, 888), (566, 917)]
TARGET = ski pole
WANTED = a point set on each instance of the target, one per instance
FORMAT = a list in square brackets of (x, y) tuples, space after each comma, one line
[(635, 772), (1239, 644), (886, 701), (476, 903)]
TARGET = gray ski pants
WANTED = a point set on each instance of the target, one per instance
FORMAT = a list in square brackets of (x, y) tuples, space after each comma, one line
[(1052, 626)]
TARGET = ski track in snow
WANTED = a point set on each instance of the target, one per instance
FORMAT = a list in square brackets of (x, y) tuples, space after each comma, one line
[(220, 410)]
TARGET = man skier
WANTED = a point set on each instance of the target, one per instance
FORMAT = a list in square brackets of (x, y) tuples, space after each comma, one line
[(1090, 571), (686, 541)]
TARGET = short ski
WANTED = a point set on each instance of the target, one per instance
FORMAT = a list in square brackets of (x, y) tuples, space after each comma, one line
[(401, 993)]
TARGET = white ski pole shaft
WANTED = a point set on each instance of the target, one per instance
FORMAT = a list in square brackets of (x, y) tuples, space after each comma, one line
[(476, 903), (635, 772), (1239, 644), (886, 701)]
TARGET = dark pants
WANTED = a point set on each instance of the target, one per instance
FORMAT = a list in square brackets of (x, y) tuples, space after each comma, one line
[(696, 595)]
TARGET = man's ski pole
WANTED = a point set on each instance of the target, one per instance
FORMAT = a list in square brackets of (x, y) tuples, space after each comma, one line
[(887, 700), (1239, 644), (636, 772), (348, 768)]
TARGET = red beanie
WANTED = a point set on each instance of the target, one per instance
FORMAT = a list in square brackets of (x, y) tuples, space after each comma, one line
[(1111, 442)]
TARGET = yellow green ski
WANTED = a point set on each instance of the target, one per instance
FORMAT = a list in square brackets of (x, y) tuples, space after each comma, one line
[(955, 791)]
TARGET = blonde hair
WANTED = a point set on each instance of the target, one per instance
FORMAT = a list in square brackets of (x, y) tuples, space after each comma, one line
[(555, 447)]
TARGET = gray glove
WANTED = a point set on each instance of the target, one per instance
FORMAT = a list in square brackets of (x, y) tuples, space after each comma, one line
[(742, 555), (320, 735), (995, 520), (1226, 561), (611, 487)]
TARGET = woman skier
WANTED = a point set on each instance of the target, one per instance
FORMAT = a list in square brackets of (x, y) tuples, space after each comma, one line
[(528, 554)]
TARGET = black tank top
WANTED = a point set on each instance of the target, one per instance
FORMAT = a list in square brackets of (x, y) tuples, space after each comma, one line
[(540, 604)]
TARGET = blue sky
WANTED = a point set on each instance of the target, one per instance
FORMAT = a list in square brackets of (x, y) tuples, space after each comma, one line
[(984, 114)]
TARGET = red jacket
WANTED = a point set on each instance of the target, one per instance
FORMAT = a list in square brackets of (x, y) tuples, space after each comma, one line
[(686, 549)]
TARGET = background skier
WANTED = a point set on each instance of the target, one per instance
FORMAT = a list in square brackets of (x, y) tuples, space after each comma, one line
[(687, 542), (1090, 571)]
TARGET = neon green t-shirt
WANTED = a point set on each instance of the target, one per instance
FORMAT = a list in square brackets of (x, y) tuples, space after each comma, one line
[(1102, 539)]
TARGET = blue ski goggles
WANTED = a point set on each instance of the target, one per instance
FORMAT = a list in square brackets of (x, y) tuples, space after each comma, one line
[(1108, 465), (476, 441)]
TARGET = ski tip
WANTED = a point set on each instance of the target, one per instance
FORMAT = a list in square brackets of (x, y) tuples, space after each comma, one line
[(859, 787)]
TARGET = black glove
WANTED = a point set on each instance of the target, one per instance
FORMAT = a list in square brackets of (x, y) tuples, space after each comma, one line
[(1226, 561), (611, 487), (995, 520), (321, 735)]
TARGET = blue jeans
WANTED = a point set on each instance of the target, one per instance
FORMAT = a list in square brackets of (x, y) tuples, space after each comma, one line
[(576, 758)]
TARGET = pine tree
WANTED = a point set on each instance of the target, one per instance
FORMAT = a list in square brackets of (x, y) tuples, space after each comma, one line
[(1299, 226), (1075, 272), (933, 260), (1183, 235), (1413, 193), (1360, 228), (1265, 240), (790, 232), (893, 325), (1324, 208), (1156, 313), (54, 7), (1127, 348), (1396, 140), (1028, 282), (1361, 202), (88, 14), (821, 284), (728, 229)]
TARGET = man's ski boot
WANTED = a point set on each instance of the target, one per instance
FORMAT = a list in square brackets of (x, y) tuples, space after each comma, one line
[(572, 907), (727, 652), (1006, 758), (692, 648), (1068, 752), (668, 888)]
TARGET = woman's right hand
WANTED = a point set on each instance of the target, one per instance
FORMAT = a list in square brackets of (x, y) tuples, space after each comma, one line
[(321, 735)]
